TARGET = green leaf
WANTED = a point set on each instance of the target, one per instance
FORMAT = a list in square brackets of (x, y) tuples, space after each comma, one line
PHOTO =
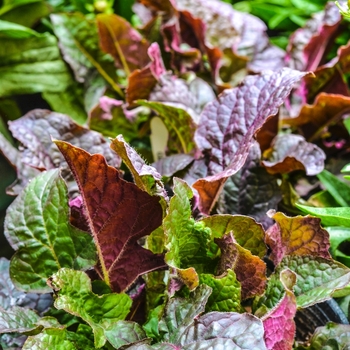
[(16, 31), (187, 241), (317, 280), (18, 319), (338, 189), (332, 336), (340, 239), (76, 297), (37, 226), (226, 294), (124, 333), (32, 64), (329, 216), (179, 124)]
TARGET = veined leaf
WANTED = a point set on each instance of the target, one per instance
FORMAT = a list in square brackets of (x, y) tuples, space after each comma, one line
[(37, 226), (119, 214)]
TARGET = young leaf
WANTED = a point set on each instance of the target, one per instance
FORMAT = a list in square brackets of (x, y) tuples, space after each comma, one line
[(186, 240), (222, 135), (296, 236), (37, 226), (329, 216), (119, 214), (179, 124), (279, 323), (337, 188), (291, 152), (75, 296), (226, 292)]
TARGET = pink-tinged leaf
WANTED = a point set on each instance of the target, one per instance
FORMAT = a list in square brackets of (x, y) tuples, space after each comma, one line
[(35, 130), (314, 120), (291, 152), (279, 325), (124, 43), (299, 235), (250, 270), (119, 214), (329, 77), (227, 127), (142, 81), (307, 45)]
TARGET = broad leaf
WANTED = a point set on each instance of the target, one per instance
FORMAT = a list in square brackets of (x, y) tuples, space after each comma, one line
[(124, 43), (119, 214), (279, 323), (329, 216), (170, 165), (222, 135), (187, 241), (291, 152), (37, 226), (337, 188), (249, 269), (18, 320), (179, 124), (35, 131), (300, 235), (226, 292), (75, 296), (339, 239)]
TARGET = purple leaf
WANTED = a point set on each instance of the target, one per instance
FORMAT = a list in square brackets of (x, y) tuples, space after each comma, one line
[(291, 152), (170, 165), (119, 214), (307, 45), (227, 127)]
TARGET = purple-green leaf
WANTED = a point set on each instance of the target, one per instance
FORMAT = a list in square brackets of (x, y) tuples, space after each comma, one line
[(228, 125)]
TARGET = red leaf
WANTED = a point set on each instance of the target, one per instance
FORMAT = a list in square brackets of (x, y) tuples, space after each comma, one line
[(119, 214)]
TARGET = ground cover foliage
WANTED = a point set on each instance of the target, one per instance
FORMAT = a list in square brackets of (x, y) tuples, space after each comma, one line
[(185, 189)]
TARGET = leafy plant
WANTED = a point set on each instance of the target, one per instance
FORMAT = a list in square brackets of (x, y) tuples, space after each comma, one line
[(181, 230)]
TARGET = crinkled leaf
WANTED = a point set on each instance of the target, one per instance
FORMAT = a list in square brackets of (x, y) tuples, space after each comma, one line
[(291, 152), (225, 138), (251, 191), (142, 81), (53, 338), (119, 214), (78, 40), (145, 176), (317, 278), (224, 330), (37, 226), (307, 45), (337, 188), (18, 319), (108, 117), (246, 231), (314, 120), (328, 216), (124, 43), (339, 239), (75, 296), (170, 165), (186, 240), (179, 124), (299, 235), (10, 295), (279, 323), (35, 131), (332, 336), (249, 269), (31, 64), (226, 292), (124, 333)]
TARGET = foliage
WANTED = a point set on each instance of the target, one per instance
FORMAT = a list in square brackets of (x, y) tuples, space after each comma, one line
[(184, 228)]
